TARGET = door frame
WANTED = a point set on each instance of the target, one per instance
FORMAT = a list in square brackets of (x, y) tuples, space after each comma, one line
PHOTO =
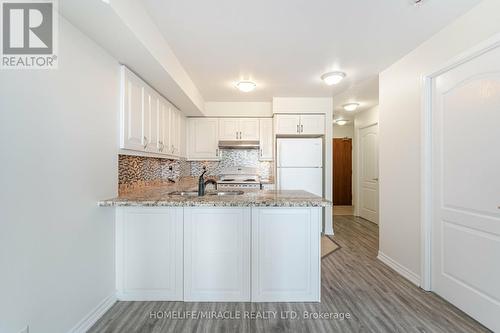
[(357, 178), (426, 195)]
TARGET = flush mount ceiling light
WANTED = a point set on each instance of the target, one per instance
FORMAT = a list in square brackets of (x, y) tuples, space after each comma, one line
[(246, 86), (351, 107), (332, 78), (341, 122)]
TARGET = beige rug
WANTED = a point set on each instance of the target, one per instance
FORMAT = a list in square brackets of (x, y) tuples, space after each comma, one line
[(328, 246)]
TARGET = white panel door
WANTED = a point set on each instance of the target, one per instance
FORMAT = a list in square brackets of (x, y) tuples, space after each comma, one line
[(287, 124), (286, 254), (132, 118), (217, 254), (229, 129), (203, 140), (266, 138), (312, 124), (149, 254), (466, 187), (300, 152), (249, 129), (306, 179), (368, 174)]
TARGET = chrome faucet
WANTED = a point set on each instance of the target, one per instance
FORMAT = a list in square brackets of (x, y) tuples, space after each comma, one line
[(202, 183)]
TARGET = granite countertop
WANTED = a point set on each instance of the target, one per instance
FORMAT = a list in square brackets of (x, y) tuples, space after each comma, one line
[(158, 196)]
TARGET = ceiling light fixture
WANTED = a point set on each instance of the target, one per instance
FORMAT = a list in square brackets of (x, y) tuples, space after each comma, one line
[(332, 78), (351, 107), (246, 86), (341, 122)]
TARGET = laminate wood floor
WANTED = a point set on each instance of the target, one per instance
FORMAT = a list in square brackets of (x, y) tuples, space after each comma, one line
[(353, 281)]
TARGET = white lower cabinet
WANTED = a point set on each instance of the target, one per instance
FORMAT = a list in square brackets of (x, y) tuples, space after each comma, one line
[(149, 253), (286, 254), (217, 254)]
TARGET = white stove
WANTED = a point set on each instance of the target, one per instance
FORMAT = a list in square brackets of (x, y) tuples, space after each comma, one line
[(239, 177)]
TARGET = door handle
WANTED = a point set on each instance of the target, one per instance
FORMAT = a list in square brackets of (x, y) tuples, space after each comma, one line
[(375, 179)]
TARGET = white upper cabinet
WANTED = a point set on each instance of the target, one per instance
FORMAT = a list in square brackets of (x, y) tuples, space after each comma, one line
[(203, 140), (132, 112), (287, 124), (266, 139), (299, 124), (311, 124), (238, 129), (249, 129), (149, 123), (229, 128)]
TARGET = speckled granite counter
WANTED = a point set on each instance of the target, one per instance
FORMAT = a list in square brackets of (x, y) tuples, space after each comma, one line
[(158, 196)]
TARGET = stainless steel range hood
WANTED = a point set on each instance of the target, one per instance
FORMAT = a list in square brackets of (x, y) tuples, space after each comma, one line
[(228, 144)]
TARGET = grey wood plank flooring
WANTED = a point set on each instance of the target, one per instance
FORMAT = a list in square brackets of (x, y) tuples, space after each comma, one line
[(353, 281)]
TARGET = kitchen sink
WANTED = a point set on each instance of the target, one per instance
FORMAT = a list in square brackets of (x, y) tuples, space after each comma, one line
[(224, 193), (185, 193)]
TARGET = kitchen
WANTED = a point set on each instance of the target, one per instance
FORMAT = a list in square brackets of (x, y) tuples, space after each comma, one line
[(272, 210)]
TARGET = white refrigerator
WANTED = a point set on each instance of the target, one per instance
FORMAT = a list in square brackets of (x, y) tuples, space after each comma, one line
[(300, 165)]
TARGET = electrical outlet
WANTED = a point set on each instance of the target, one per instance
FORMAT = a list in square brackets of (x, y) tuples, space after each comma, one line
[(25, 330)]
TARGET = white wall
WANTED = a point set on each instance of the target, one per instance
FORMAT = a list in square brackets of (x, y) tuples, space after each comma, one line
[(400, 129), (58, 151), (238, 109), (361, 120), (346, 131)]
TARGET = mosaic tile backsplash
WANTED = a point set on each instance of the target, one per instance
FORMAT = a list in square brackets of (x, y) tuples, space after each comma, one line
[(136, 171), (232, 158)]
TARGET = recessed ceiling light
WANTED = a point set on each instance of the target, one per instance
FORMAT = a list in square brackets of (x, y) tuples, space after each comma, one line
[(246, 86), (332, 78), (351, 107), (341, 122)]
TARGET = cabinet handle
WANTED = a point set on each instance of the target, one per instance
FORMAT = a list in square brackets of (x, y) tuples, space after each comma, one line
[(172, 148), (236, 135), (301, 128), (298, 129), (145, 142), (260, 152), (240, 135), (217, 152)]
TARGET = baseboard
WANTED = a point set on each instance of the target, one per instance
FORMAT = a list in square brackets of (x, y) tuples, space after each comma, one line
[(93, 316), (403, 271)]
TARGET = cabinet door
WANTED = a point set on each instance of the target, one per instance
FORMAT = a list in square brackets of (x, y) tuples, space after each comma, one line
[(153, 126), (229, 129), (149, 252), (312, 124), (182, 132), (249, 129), (266, 138), (132, 115), (174, 130), (286, 254), (217, 254), (286, 124), (203, 143), (164, 126)]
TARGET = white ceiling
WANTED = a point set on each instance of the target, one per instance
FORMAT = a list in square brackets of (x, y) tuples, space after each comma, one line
[(285, 45), (365, 93)]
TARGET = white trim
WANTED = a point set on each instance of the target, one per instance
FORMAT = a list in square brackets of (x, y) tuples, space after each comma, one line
[(426, 153), (93, 316), (400, 269)]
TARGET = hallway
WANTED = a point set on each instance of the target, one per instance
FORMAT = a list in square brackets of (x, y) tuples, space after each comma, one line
[(353, 281)]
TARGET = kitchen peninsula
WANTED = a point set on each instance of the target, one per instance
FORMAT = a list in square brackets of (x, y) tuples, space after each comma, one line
[(258, 246)]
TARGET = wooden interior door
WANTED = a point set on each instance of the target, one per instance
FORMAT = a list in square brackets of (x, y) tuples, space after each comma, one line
[(342, 172)]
